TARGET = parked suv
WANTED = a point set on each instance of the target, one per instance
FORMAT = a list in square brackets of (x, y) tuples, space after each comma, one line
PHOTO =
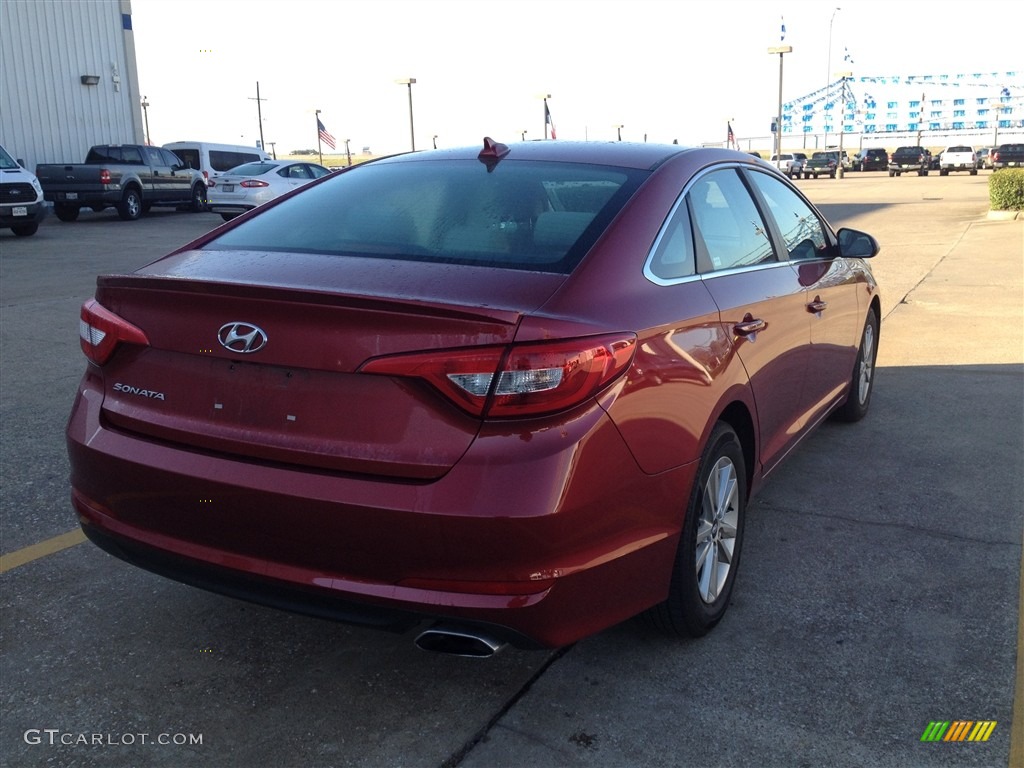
[(873, 160), (909, 159)]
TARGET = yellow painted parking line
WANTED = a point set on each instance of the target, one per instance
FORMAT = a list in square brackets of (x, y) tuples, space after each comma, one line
[(42, 549), (1017, 727)]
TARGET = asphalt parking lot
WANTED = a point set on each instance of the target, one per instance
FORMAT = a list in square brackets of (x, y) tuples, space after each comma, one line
[(880, 589)]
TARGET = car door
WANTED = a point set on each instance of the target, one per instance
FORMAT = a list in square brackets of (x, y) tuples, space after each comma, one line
[(152, 173), (295, 175), (830, 287), (760, 301), (181, 178)]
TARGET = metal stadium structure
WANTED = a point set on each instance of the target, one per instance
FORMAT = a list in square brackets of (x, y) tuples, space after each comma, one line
[(888, 109)]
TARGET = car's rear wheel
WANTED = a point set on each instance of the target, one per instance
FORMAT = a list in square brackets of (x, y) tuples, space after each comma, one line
[(229, 216), (130, 207), (862, 383), (710, 543), (66, 212), (198, 199)]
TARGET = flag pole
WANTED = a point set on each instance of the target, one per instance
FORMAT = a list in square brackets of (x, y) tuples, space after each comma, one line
[(319, 149)]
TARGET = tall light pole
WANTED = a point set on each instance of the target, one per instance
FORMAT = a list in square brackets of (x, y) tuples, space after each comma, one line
[(145, 116), (828, 79), (618, 129), (842, 107), (348, 152), (782, 50), (259, 111), (409, 81)]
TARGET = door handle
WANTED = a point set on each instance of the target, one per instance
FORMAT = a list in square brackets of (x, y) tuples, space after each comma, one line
[(749, 326), (817, 305)]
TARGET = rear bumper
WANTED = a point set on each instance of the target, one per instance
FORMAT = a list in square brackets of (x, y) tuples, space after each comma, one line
[(547, 536), (87, 198), (229, 207)]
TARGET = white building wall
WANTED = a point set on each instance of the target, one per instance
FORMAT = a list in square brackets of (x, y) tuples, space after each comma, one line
[(47, 115)]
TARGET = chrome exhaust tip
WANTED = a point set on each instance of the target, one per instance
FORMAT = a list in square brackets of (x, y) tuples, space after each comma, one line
[(458, 641)]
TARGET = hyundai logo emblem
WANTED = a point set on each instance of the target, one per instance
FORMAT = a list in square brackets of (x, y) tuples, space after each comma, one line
[(242, 337)]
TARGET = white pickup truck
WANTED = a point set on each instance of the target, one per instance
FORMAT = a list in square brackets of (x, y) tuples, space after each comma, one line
[(790, 165), (958, 158)]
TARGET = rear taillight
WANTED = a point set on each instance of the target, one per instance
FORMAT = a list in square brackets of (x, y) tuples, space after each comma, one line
[(206, 178), (520, 380), (104, 176), (253, 183), (100, 331)]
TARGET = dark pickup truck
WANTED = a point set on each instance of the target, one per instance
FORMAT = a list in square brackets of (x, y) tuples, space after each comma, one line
[(129, 177), (1008, 156), (907, 159), (821, 163)]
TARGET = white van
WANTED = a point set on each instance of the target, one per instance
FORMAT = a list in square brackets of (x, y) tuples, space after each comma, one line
[(213, 159), (22, 206)]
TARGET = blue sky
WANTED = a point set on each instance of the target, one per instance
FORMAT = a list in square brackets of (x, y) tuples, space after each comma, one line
[(666, 69)]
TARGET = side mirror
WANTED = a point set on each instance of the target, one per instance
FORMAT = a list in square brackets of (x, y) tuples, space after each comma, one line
[(854, 244)]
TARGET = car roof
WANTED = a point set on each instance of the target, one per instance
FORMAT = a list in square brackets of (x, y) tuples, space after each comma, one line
[(615, 153)]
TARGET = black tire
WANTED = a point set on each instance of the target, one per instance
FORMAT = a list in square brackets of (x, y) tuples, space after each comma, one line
[(229, 216), (943, 173), (66, 212), (807, 176), (832, 175), (862, 381), (198, 204), (25, 230), (923, 172), (130, 207), (974, 171), (713, 527)]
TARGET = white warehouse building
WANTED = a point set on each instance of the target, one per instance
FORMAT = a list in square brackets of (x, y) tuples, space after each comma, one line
[(68, 78)]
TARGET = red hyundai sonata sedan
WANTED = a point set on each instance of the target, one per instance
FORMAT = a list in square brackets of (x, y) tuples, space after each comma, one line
[(519, 393)]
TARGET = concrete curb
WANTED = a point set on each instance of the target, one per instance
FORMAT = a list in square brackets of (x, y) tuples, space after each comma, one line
[(1005, 215)]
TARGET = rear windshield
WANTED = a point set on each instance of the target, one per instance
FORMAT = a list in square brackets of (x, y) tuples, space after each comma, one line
[(959, 149), (538, 216), (253, 169)]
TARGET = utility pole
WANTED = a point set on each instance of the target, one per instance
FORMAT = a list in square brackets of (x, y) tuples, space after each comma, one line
[(259, 111)]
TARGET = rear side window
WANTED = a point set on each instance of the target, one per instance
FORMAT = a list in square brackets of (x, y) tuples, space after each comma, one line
[(221, 160), (728, 228), (538, 216), (673, 255)]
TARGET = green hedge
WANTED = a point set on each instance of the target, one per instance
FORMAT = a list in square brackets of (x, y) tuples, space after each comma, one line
[(1006, 190)]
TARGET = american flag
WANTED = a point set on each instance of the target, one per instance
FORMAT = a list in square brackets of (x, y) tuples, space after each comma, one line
[(325, 135), (730, 139), (548, 121)]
